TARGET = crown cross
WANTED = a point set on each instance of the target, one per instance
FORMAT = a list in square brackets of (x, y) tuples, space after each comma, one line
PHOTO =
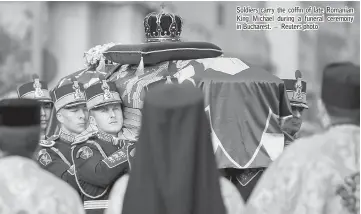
[(162, 6)]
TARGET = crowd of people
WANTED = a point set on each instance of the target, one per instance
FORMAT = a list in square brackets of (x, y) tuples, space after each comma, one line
[(95, 165)]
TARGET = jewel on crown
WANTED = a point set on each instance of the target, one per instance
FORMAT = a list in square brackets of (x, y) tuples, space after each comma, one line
[(162, 26)]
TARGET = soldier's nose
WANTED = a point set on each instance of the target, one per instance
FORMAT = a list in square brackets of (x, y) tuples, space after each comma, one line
[(297, 114), (112, 113), (42, 111)]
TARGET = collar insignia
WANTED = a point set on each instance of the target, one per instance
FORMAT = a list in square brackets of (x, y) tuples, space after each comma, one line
[(107, 137), (66, 136)]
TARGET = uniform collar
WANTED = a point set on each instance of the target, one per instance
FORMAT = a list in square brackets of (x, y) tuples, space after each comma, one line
[(67, 136), (107, 137)]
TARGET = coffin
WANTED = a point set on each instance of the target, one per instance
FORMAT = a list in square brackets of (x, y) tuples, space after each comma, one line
[(244, 103)]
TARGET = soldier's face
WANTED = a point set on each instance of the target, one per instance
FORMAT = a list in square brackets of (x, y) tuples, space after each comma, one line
[(73, 119), (108, 118), (293, 124), (45, 114)]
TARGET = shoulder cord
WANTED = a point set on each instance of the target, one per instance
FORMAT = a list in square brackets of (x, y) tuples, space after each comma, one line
[(98, 147), (61, 156)]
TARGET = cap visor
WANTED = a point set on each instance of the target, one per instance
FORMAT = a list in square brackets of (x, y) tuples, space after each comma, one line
[(300, 105), (74, 104), (45, 101), (107, 103)]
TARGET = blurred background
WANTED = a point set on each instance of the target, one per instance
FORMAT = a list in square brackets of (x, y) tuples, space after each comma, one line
[(50, 38)]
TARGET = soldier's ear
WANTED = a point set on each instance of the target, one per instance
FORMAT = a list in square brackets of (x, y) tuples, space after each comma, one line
[(92, 120), (59, 117)]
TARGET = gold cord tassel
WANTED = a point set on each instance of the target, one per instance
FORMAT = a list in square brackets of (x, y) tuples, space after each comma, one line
[(140, 69), (169, 80)]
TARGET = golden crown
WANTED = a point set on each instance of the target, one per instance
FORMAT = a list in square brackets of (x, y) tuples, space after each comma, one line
[(162, 26)]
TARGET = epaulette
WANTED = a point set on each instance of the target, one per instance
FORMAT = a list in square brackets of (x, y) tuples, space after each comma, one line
[(82, 137), (47, 143)]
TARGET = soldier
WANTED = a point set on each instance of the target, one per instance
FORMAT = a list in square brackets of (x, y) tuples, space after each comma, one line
[(296, 91), (321, 173), (100, 154), (71, 113), (24, 186), (38, 90)]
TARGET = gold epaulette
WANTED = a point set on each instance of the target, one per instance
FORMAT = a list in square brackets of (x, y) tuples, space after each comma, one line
[(46, 143), (84, 136)]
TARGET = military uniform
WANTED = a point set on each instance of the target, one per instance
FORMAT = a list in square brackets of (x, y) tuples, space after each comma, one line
[(99, 158), (54, 156), (296, 92), (37, 90), (54, 153)]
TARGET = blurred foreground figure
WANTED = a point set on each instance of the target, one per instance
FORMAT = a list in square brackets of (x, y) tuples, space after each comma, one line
[(24, 186), (174, 169), (320, 174), (296, 92), (38, 90)]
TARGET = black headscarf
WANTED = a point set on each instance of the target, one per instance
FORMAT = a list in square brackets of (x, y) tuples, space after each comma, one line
[(174, 169)]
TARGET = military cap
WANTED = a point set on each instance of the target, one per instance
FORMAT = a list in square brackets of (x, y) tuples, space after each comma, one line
[(341, 85), (19, 112), (102, 93), (69, 95), (296, 90), (35, 89)]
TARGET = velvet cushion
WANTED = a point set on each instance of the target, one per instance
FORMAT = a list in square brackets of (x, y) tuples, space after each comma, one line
[(157, 52)]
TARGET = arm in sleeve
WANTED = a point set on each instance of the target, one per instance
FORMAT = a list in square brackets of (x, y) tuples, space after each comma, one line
[(117, 194), (51, 162), (92, 167)]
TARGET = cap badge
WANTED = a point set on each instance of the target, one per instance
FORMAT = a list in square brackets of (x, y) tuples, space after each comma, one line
[(297, 93), (78, 94), (105, 88), (37, 86)]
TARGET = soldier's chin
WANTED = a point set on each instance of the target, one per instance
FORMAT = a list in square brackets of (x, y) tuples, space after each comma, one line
[(79, 130), (114, 128), (43, 126)]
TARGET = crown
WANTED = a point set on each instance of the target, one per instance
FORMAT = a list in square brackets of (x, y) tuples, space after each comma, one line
[(162, 26)]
